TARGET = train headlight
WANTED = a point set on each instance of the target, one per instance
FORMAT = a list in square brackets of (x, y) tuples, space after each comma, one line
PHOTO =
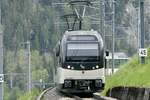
[(68, 67), (97, 66), (72, 67), (93, 67), (98, 83), (67, 83)]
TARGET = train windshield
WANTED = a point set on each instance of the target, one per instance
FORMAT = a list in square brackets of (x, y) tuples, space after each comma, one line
[(82, 52)]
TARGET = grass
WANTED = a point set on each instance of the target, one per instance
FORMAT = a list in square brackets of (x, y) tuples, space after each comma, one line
[(131, 74), (30, 95)]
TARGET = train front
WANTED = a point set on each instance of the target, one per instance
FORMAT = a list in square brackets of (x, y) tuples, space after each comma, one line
[(81, 62)]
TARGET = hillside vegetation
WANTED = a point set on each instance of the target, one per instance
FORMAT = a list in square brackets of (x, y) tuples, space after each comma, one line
[(40, 22), (131, 74), (30, 95)]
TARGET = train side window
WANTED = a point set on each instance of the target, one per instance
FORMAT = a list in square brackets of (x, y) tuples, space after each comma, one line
[(57, 49)]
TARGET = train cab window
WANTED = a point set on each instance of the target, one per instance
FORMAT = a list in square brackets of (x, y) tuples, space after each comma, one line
[(80, 52), (82, 38)]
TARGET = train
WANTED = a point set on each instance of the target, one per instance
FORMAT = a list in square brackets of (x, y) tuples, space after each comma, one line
[(79, 62)]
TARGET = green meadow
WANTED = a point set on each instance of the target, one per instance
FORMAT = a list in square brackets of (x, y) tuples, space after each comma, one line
[(131, 74)]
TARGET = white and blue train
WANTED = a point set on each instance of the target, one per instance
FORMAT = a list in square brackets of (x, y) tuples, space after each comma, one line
[(80, 62)]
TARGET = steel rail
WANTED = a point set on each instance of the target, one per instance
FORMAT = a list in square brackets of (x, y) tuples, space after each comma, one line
[(99, 97), (94, 97), (42, 94), (71, 96)]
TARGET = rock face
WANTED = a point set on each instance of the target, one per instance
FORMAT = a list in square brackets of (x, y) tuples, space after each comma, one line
[(129, 93)]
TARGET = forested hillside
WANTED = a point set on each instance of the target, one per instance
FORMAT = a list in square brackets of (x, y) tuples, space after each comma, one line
[(39, 22), (34, 20)]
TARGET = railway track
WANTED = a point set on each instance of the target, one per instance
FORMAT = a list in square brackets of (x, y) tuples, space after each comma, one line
[(40, 97), (76, 97), (52, 94)]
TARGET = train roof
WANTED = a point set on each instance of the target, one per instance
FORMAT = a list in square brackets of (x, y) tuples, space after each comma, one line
[(80, 32)]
